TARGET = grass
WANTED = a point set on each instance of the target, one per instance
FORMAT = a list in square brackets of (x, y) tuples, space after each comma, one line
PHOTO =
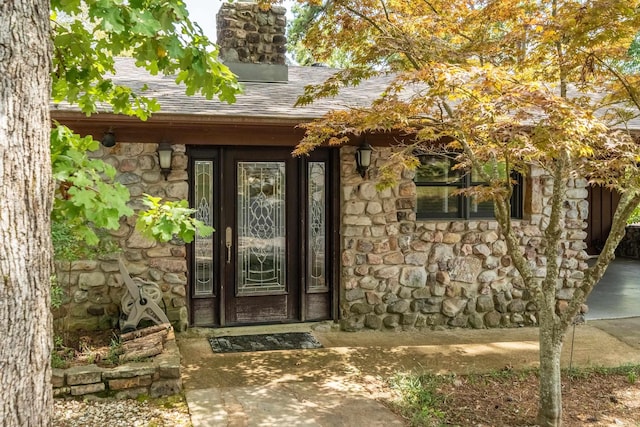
[(115, 349), (60, 355), (419, 400), (629, 371)]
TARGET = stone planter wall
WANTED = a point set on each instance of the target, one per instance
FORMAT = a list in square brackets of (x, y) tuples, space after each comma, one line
[(401, 273), (159, 377), (93, 289), (629, 246)]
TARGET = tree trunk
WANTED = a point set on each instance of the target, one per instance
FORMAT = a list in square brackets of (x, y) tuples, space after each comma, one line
[(26, 192), (550, 405)]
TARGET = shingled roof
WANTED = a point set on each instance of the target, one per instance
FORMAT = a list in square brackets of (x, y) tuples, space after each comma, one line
[(259, 100), (266, 101)]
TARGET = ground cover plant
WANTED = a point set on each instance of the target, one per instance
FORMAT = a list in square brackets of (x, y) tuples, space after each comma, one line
[(73, 348), (591, 397)]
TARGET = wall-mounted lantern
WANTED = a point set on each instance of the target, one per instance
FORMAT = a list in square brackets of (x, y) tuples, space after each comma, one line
[(363, 158), (164, 156), (108, 138)]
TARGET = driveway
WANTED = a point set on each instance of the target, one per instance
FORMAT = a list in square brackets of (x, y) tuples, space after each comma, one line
[(618, 293)]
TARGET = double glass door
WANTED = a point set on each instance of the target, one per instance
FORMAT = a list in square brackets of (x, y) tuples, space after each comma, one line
[(268, 258)]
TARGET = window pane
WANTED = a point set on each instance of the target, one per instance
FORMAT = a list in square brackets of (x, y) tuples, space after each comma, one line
[(437, 202), (436, 169), (488, 168), (261, 227), (482, 209), (316, 233), (203, 246)]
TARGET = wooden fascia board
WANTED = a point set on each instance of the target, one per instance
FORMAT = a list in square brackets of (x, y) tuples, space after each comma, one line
[(193, 129), (187, 129)]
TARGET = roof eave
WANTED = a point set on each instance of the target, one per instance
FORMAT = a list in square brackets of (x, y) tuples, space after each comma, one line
[(188, 128)]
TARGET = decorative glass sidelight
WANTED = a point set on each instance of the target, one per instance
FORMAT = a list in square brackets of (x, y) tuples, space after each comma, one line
[(204, 212), (316, 233), (261, 228)]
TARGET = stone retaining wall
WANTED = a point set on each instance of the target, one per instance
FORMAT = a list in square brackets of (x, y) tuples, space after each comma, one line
[(402, 273), (159, 377), (93, 288)]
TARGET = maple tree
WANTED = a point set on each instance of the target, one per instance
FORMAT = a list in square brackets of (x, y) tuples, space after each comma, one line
[(303, 16), (64, 50), (528, 84)]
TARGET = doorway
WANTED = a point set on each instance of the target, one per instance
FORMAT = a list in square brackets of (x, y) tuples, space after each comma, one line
[(602, 206), (269, 260)]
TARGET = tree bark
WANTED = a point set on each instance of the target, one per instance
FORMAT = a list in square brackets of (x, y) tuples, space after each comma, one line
[(550, 337), (26, 192)]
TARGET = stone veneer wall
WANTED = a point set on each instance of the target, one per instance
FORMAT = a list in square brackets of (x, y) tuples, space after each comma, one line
[(248, 34), (396, 272), (94, 288), (402, 273)]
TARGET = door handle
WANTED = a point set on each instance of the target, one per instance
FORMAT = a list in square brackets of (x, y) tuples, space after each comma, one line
[(228, 242)]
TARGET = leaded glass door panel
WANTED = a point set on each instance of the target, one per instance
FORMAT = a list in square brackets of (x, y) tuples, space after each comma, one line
[(261, 228)]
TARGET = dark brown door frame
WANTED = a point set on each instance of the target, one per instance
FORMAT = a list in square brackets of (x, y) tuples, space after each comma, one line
[(217, 304), (602, 206)]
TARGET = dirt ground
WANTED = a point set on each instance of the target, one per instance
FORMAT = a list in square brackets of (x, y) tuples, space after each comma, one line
[(85, 347), (590, 398)]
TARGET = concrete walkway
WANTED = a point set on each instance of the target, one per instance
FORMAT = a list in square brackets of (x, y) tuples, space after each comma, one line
[(339, 384)]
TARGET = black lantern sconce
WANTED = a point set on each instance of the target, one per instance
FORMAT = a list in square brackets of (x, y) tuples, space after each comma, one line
[(164, 157), (363, 158), (108, 139)]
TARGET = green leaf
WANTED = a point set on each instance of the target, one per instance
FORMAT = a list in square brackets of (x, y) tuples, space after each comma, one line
[(86, 197), (144, 23), (164, 220), (157, 34), (165, 229)]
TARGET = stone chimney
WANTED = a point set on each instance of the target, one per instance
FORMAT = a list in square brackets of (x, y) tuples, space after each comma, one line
[(252, 41)]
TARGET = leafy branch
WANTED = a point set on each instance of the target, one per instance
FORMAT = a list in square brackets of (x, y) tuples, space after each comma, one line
[(88, 34), (86, 196), (162, 221)]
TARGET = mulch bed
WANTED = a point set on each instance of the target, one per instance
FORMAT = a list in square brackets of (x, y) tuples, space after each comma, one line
[(592, 398)]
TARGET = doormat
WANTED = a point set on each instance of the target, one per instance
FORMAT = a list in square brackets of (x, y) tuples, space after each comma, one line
[(265, 342)]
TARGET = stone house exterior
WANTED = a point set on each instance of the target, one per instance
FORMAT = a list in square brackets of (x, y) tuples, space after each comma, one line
[(301, 239)]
